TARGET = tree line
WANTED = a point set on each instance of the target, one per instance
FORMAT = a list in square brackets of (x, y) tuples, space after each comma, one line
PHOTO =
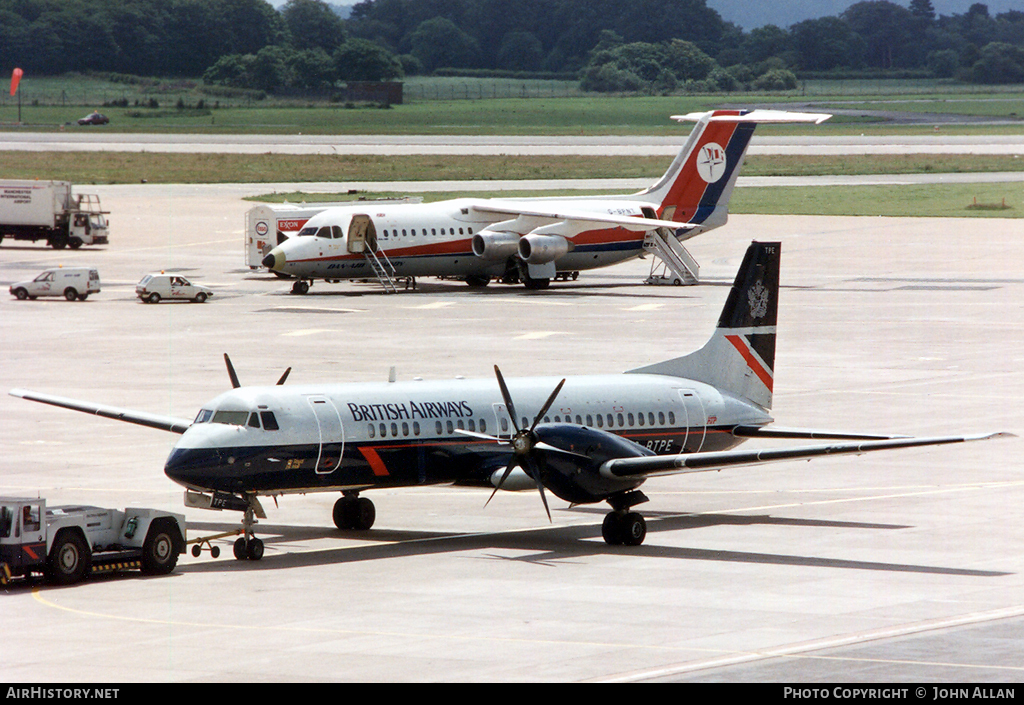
[(610, 45)]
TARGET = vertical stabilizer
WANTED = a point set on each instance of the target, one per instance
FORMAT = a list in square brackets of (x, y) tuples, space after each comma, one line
[(698, 184), (740, 356)]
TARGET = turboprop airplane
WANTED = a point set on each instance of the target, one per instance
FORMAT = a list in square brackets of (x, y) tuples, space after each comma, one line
[(534, 240), (586, 439)]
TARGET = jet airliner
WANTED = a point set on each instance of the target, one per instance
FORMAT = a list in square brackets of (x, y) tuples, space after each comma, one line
[(532, 240), (585, 439)]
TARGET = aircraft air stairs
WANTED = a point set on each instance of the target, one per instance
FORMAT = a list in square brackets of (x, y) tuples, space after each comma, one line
[(672, 263)]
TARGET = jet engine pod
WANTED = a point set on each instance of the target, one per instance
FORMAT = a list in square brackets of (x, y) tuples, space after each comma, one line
[(495, 246), (541, 249)]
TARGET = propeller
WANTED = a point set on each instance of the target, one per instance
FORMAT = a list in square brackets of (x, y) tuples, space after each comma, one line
[(234, 377), (524, 442)]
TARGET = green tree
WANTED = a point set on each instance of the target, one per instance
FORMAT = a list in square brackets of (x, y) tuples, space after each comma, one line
[(440, 43), (311, 23), (362, 60)]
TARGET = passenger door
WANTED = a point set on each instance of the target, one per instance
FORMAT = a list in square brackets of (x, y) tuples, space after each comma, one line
[(330, 434)]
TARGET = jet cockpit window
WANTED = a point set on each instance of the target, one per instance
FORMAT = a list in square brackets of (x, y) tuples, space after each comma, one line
[(254, 420), (232, 418), (325, 232), (204, 416), (307, 231), (336, 232)]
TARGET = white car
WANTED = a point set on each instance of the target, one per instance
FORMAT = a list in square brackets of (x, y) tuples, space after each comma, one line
[(70, 282), (156, 287)]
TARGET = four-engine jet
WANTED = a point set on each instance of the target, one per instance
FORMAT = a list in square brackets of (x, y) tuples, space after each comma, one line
[(532, 240), (585, 439)]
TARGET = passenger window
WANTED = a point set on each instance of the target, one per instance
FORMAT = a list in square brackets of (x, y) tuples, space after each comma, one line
[(451, 428), (472, 425), (383, 431), (269, 421), (600, 421), (590, 420), (483, 426), (640, 418), (394, 430), (661, 418), (438, 428), (630, 419), (370, 430), (415, 428), (504, 425), (672, 418), (405, 428), (650, 417)]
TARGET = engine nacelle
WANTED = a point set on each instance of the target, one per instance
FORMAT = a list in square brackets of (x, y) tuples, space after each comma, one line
[(541, 249), (495, 246), (517, 480)]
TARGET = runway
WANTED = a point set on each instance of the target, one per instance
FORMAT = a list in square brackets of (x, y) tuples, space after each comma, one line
[(389, 145), (899, 567)]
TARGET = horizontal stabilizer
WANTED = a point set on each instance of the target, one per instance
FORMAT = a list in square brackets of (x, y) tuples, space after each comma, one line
[(164, 423), (705, 462), (763, 116)]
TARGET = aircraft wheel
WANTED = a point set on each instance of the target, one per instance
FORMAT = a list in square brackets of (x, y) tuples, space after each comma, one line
[(536, 283), (610, 529), (477, 281), (300, 287), (239, 548), (254, 551), (627, 529), (354, 513)]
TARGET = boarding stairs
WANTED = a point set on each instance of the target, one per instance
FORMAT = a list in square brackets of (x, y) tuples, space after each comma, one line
[(672, 263), (383, 270)]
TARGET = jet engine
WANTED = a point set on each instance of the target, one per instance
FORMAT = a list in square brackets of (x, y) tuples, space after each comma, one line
[(495, 246), (541, 249)]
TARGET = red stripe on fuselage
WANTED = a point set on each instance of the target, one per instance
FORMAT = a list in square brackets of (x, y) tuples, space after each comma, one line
[(376, 464), (752, 362)]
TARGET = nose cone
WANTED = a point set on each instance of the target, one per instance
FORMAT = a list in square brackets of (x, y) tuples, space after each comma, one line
[(275, 260)]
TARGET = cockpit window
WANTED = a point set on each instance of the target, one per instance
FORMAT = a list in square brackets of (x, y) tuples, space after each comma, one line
[(254, 420), (307, 231), (232, 418), (324, 232), (269, 421), (204, 416)]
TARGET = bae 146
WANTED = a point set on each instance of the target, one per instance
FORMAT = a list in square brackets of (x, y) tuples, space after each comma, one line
[(534, 240), (585, 439)]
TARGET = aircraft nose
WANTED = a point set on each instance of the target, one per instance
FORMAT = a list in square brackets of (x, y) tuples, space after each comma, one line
[(275, 259)]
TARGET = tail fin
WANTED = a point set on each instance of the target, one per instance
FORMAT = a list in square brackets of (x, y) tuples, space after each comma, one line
[(699, 182), (740, 356)]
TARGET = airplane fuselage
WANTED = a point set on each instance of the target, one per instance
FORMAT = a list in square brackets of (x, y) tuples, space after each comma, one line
[(272, 440), (436, 239)]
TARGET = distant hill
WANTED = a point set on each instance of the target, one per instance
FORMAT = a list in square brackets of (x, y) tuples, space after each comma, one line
[(784, 13)]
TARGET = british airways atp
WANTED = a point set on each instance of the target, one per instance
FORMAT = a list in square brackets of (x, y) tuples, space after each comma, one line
[(531, 240), (586, 439)]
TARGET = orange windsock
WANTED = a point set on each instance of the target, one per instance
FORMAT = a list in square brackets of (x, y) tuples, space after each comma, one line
[(15, 79)]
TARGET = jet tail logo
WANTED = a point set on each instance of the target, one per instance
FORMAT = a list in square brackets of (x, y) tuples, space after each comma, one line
[(711, 162)]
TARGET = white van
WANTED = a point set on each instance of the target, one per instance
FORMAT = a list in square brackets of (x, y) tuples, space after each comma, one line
[(70, 282), (158, 287)]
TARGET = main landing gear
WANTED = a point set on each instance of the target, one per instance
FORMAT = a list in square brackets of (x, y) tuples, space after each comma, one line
[(622, 527), (354, 512)]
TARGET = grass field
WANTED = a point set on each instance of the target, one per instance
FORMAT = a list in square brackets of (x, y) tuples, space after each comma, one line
[(135, 167), (1005, 200)]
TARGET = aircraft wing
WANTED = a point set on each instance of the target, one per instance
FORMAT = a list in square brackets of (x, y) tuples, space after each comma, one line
[(581, 217), (706, 462), (164, 423)]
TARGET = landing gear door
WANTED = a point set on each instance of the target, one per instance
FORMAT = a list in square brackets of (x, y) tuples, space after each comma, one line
[(331, 434), (696, 420), (362, 234)]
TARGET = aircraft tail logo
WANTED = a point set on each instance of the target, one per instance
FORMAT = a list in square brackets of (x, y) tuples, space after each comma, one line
[(740, 356), (698, 184)]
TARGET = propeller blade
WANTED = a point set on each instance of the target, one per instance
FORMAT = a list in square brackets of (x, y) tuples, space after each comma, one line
[(231, 372), (484, 436), (547, 405), (508, 399), (284, 376), (541, 445), (508, 471), (534, 471)]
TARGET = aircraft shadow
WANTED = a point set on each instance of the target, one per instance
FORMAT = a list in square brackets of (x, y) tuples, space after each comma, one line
[(546, 546)]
